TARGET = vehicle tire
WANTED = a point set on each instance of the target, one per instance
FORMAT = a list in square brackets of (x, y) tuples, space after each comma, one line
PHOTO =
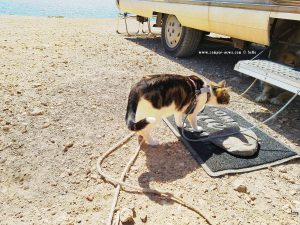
[(177, 40)]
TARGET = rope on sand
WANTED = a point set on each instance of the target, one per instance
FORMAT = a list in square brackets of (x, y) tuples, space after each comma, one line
[(120, 183)]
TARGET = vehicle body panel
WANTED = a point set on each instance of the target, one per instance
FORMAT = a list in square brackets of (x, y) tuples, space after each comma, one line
[(247, 20)]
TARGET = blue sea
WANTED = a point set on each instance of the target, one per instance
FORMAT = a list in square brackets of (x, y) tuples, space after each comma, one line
[(65, 8)]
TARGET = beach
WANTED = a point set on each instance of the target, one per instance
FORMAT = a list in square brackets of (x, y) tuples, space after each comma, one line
[(64, 84)]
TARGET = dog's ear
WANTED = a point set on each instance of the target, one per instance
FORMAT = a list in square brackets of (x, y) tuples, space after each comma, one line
[(222, 84)]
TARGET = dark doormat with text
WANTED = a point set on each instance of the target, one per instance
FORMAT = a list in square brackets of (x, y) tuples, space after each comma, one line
[(216, 161)]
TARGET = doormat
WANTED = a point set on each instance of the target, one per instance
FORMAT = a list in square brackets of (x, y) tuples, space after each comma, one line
[(216, 161)]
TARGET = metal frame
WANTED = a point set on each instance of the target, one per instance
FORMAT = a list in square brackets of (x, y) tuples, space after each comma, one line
[(125, 16)]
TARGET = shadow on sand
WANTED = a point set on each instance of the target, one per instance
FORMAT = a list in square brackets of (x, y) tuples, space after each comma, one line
[(165, 163)]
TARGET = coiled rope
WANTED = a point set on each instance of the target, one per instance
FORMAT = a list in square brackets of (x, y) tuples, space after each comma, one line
[(121, 183)]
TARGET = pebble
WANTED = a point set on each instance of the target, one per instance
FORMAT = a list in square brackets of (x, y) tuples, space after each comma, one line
[(240, 188), (296, 205), (90, 198), (126, 215), (94, 176), (213, 187), (289, 179), (143, 217), (88, 171), (37, 85), (68, 145), (24, 130), (286, 208), (37, 112), (248, 199), (46, 125), (6, 128), (283, 170), (69, 172), (131, 206)]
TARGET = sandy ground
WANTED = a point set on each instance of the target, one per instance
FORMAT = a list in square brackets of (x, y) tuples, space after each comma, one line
[(63, 92)]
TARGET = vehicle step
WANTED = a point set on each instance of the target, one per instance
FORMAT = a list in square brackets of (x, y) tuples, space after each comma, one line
[(273, 73)]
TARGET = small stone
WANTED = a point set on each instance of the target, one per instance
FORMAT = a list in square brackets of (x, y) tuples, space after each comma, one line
[(143, 217), (68, 145), (126, 215), (6, 128), (90, 198), (69, 172), (248, 199), (46, 125), (88, 171), (131, 206), (24, 130), (289, 179), (286, 208), (37, 112), (295, 209), (36, 85), (283, 170), (26, 187), (212, 188), (94, 176), (240, 188)]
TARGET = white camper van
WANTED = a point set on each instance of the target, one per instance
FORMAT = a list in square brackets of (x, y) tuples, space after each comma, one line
[(273, 23), (184, 22)]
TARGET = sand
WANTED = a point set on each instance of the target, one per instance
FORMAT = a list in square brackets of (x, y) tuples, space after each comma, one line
[(63, 94)]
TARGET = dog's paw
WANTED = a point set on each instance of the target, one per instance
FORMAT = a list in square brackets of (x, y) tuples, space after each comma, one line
[(276, 101), (262, 98)]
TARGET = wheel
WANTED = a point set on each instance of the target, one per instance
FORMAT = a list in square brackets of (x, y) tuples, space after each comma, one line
[(177, 40)]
